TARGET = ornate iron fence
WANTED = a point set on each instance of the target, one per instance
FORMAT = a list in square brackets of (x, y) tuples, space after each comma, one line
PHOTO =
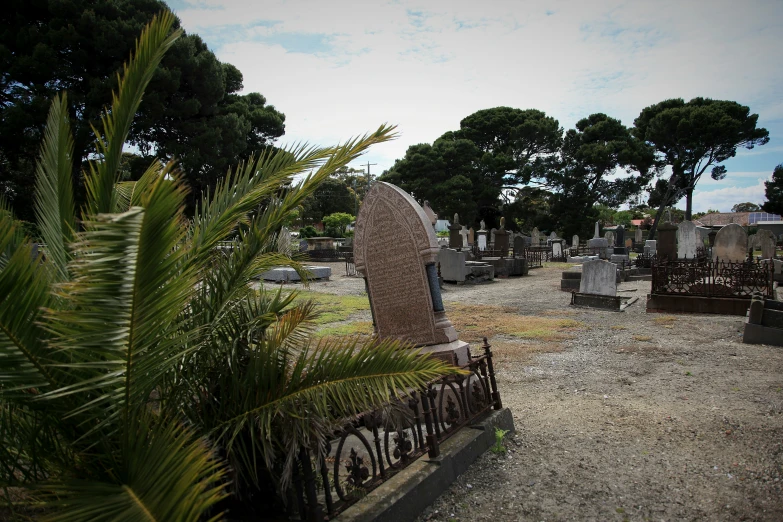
[(380, 443), (643, 261), (699, 277)]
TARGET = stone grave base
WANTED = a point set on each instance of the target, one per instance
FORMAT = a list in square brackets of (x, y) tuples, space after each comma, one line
[(764, 324), (614, 303), (570, 281), (404, 496), (478, 271), (697, 305), (619, 258), (286, 274), (508, 266), (581, 259), (456, 352)]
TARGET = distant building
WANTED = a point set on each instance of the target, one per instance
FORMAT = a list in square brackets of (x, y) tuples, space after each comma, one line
[(720, 219)]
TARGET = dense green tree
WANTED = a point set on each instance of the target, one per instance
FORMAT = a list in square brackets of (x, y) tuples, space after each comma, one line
[(746, 207), (332, 196), (694, 136), (773, 190), (336, 223), (448, 175), (78, 46)]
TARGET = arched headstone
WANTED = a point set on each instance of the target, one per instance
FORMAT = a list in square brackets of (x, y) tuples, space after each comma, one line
[(687, 240), (731, 244)]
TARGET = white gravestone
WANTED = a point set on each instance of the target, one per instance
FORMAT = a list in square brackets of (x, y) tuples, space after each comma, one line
[(575, 241), (731, 244), (687, 240), (599, 277)]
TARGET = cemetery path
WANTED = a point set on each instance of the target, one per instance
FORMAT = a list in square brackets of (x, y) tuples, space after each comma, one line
[(626, 416)]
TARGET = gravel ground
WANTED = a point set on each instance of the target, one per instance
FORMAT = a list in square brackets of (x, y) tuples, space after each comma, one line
[(636, 417)]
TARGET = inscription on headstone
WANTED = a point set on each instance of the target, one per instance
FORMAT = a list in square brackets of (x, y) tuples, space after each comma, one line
[(599, 277), (731, 244), (687, 240)]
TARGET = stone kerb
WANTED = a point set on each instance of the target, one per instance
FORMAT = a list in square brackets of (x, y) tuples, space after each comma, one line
[(395, 250), (731, 244), (599, 277)]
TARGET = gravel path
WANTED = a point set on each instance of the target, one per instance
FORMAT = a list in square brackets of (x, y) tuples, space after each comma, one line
[(637, 416)]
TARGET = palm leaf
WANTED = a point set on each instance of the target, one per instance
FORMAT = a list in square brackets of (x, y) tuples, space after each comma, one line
[(164, 474), (121, 327), (154, 41), (54, 207)]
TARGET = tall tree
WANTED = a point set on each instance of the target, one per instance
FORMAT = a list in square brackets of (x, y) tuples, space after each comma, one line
[(773, 190), (694, 136), (78, 46), (600, 162), (746, 207)]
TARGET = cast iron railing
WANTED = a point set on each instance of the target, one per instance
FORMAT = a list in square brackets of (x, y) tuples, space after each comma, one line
[(705, 278), (370, 450)]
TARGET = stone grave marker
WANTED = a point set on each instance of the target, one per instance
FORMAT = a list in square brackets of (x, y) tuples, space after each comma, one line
[(667, 241), (687, 240), (471, 236), (535, 239), (597, 234), (628, 243), (455, 239), (500, 242), (395, 250), (599, 277), (463, 232), (638, 236), (609, 236), (492, 235), (482, 237), (557, 249), (620, 236), (575, 241), (651, 247), (766, 241), (731, 244)]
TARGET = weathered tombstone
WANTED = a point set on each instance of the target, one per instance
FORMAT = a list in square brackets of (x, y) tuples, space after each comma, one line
[(651, 247), (431, 215), (668, 216), (395, 249), (667, 241), (492, 235), (455, 239), (284, 242), (731, 244), (557, 249), (471, 236), (609, 236), (552, 235), (519, 244), (501, 239), (482, 237), (463, 232), (575, 241), (597, 234), (452, 265), (303, 245), (687, 240), (766, 241), (620, 236), (535, 239), (599, 277), (638, 236)]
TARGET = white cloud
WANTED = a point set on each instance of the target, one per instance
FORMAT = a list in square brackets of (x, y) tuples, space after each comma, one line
[(425, 65), (727, 196)]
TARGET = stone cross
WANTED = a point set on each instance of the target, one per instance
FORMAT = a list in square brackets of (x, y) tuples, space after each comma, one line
[(395, 249), (731, 244), (687, 240)]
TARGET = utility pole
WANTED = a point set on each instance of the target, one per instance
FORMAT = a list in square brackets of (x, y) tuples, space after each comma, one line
[(369, 178)]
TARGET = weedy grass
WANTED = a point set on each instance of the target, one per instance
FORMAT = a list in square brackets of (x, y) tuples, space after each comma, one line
[(665, 320), (476, 321), (643, 338), (335, 308)]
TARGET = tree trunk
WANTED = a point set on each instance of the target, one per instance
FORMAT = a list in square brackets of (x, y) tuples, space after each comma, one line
[(689, 204)]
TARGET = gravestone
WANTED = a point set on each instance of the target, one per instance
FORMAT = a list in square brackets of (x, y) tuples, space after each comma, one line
[(609, 236), (667, 241), (520, 242), (575, 241), (620, 236), (463, 232), (395, 250), (471, 236), (535, 239), (628, 243), (452, 265), (284, 243), (731, 244), (501, 239), (492, 235), (766, 241), (599, 277), (557, 249), (431, 215), (638, 236), (651, 247), (482, 237), (687, 240), (597, 234), (552, 235), (455, 239)]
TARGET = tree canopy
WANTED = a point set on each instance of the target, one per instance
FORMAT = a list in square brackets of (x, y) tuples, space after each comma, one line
[(746, 207), (191, 109), (773, 189), (694, 136)]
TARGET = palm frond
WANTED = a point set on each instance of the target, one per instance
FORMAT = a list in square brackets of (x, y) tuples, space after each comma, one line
[(24, 290), (126, 301), (12, 235), (154, 41), (164, 474), (54, 206)]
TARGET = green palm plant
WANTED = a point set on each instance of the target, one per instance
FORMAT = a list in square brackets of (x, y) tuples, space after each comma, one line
[(137, 357)]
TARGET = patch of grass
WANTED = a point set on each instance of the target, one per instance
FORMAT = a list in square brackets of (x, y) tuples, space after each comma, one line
[(476, 321), (505, 351), (642, 338), (665, 320), (334, 308), (558, 266), (345, 328)]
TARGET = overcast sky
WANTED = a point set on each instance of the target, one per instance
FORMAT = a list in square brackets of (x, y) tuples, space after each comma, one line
[(338, 69)]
